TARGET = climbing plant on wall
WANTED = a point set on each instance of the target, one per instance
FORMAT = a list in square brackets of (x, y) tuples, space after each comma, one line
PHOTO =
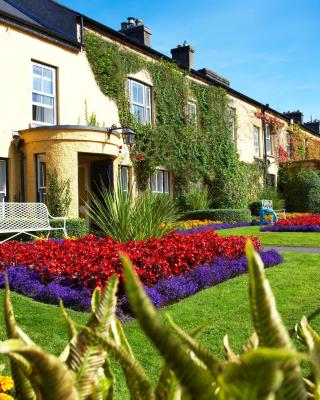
[(191, 150)]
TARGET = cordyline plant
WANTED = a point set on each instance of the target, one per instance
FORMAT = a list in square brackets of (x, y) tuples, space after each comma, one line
[(267, 368)]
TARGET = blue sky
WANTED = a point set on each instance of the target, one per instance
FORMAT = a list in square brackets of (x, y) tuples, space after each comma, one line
[(268, 49)]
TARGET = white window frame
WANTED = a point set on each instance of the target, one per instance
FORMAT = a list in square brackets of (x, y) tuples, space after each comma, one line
[(192, 112), (162, 174), (4, 171), (53, 96), (288, 143), (268, 140), (121, 169), (256, 134), (144, 105), (232, 126), (41, 185)]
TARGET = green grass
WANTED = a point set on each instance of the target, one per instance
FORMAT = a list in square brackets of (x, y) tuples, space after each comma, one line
[(299, 239), (224, 308)]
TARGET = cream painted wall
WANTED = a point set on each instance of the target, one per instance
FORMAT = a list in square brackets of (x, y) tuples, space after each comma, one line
[(75, 84)]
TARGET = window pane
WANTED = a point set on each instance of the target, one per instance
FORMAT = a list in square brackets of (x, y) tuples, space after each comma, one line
[(160, 182), (138, 113), (3, 178), (42, 114), (148, 116), (154, 183), (41, 177), (148, 100), (37, 84), (166, 182), (256, 141), (137, 93), (124, 175), (47, 73), (47, 87), (37, 70)]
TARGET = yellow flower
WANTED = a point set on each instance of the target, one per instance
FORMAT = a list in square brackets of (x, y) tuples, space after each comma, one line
[(6, 383), (4, 396)]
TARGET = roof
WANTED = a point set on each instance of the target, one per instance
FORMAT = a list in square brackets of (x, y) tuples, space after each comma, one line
[(45, 17)]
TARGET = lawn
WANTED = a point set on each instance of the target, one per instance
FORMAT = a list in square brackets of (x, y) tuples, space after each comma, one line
[(224, 308), (300, 239)]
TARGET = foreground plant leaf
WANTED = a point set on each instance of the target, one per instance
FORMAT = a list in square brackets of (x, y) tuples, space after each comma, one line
[(51, 378), (258, 375), (312, 340), (269, 326), (23, 387), (197, 380), (86, 356)]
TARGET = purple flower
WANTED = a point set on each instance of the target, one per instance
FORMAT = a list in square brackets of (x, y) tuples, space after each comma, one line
[(217, 227), (291, 228)]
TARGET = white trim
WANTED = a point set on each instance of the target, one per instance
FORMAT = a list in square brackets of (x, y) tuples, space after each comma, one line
[(52, 96), (144, 105)]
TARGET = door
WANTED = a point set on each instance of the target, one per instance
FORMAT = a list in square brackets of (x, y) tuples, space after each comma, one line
[(101, 174), (83, 191)]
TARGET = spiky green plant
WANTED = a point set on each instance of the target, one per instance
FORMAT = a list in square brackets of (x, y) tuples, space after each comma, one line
[(267, 368), (125, 216), (196, 199)]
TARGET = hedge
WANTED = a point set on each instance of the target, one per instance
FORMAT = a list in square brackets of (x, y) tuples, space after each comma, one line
[(76, 227), (228, 215)]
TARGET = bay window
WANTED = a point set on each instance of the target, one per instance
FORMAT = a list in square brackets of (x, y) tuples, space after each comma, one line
[(43, 95), (140, 101)]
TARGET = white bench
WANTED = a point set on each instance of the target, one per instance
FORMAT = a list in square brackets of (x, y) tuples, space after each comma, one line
[(21, 218)]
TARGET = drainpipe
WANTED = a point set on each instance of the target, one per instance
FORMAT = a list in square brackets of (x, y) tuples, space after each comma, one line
[(22, 158), (265, 155)]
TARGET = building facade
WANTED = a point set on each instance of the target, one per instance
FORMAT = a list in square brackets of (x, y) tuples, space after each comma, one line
[(51, 106)]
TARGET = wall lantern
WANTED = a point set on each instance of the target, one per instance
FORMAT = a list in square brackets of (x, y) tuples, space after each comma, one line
[(128, 135)]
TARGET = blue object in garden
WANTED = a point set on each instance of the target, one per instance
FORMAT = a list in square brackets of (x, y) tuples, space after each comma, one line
[(267, 209)]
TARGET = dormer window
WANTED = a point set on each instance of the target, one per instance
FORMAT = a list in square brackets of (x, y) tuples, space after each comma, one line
[(140, 101)]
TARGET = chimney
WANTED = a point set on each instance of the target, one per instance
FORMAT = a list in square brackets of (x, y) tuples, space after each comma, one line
[(183, 55), (297, 116), (213, 76), (135, 29), (313, 126)]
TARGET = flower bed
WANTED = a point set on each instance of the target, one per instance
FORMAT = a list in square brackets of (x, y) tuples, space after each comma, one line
[(306, 223), (288, 216), (92, 260), (191, 223), (166, 291), (217, 226)]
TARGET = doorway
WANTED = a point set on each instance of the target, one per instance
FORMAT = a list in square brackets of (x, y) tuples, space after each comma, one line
[(94, 172)]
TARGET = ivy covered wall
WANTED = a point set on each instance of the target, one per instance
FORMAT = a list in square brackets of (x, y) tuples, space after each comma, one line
[(202, 149)]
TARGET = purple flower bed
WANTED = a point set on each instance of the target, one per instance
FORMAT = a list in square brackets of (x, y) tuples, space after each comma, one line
[(217, 227), (166, 291), (291, 228), (25, 281), (172, 289)]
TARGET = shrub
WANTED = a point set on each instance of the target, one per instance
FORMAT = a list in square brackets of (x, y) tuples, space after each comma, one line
[(196, 199), (76, 227), (58, 195), (302, 191), (255, 207), (224, 215), (125, 217)]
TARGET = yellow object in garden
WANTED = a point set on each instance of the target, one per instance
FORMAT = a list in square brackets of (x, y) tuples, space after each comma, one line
[(192, 223), (288, 215), (6, 384), (4, 396)]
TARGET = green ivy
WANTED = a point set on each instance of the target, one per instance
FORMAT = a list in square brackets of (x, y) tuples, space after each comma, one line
[(191, 151)]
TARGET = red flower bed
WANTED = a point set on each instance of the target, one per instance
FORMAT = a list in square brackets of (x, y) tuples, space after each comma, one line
[(93, 260), (305, 220)]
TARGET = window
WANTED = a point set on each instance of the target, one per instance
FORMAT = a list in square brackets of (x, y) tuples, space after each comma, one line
[(43, 95), (232, 125), (124, 173), (256, 141), (192, 113), (3, 180), (271, 180), (41, 177), (288, 143), (160, 182), (268, 140), (140, 101)]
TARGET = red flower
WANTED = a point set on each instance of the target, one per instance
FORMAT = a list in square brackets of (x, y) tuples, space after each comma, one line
[(139, 156)]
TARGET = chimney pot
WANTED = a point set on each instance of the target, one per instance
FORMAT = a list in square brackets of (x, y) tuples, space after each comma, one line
[(135, 29)]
